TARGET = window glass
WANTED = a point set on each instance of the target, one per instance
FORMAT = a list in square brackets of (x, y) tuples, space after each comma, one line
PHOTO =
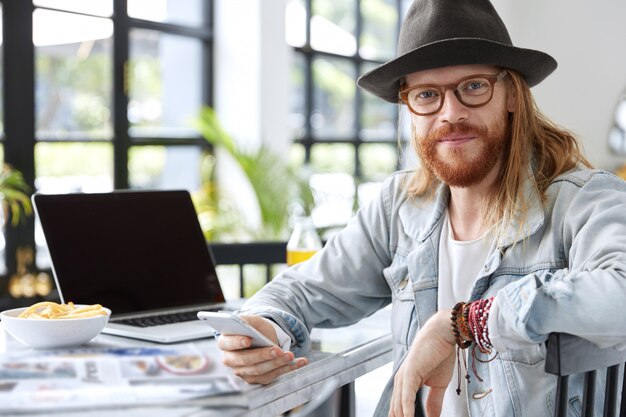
[(377, 40), (95, 7), (1, 82), (159, 167), (3, 268), (73, 167), (297, 96), (333, 195), (295, 19), (165, 84), (182, 12), (73, 76), (332, 158), (333, 26), (378, 118), (378, 160), (296, 156), (333, 101), (368, 191)]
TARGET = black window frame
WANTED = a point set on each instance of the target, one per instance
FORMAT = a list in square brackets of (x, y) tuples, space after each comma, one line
[(308, 140), (19, 138)]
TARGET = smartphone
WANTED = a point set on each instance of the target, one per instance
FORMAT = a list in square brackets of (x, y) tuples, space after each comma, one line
[(230, 324)]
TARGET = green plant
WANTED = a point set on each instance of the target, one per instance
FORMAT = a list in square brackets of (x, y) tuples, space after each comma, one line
[(15, 194), (219, 219), (274, 184)]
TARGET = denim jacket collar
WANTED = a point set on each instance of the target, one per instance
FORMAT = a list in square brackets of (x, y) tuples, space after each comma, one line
[(422, 227), (522, 226)]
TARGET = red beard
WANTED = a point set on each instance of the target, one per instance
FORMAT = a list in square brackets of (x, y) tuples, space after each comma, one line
[(460, 169)]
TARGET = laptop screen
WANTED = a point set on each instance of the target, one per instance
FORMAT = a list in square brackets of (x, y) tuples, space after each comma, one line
[(130, 251)]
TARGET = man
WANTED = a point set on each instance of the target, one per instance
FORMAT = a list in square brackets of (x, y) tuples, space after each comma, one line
[(501, 236)]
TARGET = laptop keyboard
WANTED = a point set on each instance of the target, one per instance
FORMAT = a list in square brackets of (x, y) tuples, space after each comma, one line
[(165, 318)]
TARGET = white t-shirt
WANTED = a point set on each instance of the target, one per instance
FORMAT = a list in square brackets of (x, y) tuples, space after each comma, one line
[(459, 265)]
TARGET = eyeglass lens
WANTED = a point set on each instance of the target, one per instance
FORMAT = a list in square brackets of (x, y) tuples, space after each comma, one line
[(472, 91)]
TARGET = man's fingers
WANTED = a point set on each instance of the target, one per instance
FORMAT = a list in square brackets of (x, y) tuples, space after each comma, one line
[(233, 342), (434, 402), (250, 376), (263, 325), (261, 367), (407, 399), (404, 395), (257, 365), (395, 404), (248, 357)]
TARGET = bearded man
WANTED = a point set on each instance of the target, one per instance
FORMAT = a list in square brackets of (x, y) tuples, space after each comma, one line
[(503, 234)]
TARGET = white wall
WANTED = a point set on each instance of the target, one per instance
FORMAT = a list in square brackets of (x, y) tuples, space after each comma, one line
[(251, 82), (587, 38), (252, 70)]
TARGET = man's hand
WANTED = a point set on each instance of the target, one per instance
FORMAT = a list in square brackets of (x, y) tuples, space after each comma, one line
[(261, 365), (430, 362)]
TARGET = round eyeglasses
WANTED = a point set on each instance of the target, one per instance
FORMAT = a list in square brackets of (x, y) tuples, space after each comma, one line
[(472, 91)]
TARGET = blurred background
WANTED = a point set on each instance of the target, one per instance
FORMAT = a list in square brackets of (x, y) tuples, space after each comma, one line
[(251, 105)]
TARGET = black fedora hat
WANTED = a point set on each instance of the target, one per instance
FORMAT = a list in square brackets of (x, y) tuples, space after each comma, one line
[(441, 33)]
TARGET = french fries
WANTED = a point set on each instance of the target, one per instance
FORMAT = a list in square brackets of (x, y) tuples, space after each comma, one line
[(51, 310)]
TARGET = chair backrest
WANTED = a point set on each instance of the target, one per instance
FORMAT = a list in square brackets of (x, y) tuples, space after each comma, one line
[(568, 355), (267, 254)]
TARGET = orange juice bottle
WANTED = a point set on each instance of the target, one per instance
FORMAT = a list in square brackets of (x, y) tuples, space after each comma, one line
[(304, 241)]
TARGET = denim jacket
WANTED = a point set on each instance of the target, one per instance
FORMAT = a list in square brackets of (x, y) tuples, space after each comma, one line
[(561, 269)]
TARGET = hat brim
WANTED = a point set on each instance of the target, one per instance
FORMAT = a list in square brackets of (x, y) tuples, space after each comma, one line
[(384, 80)]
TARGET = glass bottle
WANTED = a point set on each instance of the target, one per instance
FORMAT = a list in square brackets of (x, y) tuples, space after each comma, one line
[(304, 241)]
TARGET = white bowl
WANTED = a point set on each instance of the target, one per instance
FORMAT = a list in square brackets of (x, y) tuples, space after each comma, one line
[(52, 333)]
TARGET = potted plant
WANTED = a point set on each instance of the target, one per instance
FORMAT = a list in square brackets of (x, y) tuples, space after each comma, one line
[(14, 193), (276, 186)]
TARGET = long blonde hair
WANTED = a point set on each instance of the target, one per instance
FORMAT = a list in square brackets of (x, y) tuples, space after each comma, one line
[(533, 141)]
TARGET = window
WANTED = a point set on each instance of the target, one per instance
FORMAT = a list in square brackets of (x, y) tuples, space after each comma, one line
[(113, 98), (337, 127)]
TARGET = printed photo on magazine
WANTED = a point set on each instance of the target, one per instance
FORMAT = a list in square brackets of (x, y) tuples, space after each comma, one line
[(77, 378)]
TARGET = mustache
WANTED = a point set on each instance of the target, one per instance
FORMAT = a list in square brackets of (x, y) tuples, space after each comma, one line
[(463, 128)]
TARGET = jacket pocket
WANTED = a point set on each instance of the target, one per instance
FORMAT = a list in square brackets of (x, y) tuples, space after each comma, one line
[(530, 356), (526, 379)]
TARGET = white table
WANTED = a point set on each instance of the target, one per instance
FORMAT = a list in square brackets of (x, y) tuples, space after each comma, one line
[(338, 355)]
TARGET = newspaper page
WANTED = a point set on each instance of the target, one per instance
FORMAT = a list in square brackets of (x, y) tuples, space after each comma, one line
[(115, 376)]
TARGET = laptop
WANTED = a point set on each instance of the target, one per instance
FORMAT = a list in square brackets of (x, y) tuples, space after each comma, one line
[(140, 253)]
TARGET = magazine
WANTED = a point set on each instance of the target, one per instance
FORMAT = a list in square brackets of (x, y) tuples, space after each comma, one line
[(115, 376)]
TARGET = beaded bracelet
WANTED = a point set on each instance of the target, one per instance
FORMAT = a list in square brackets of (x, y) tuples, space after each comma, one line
[(469, 323), (477, 322), (460, 327)]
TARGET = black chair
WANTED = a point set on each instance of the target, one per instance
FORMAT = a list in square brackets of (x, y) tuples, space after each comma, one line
[(568, 355), (253, 253)]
